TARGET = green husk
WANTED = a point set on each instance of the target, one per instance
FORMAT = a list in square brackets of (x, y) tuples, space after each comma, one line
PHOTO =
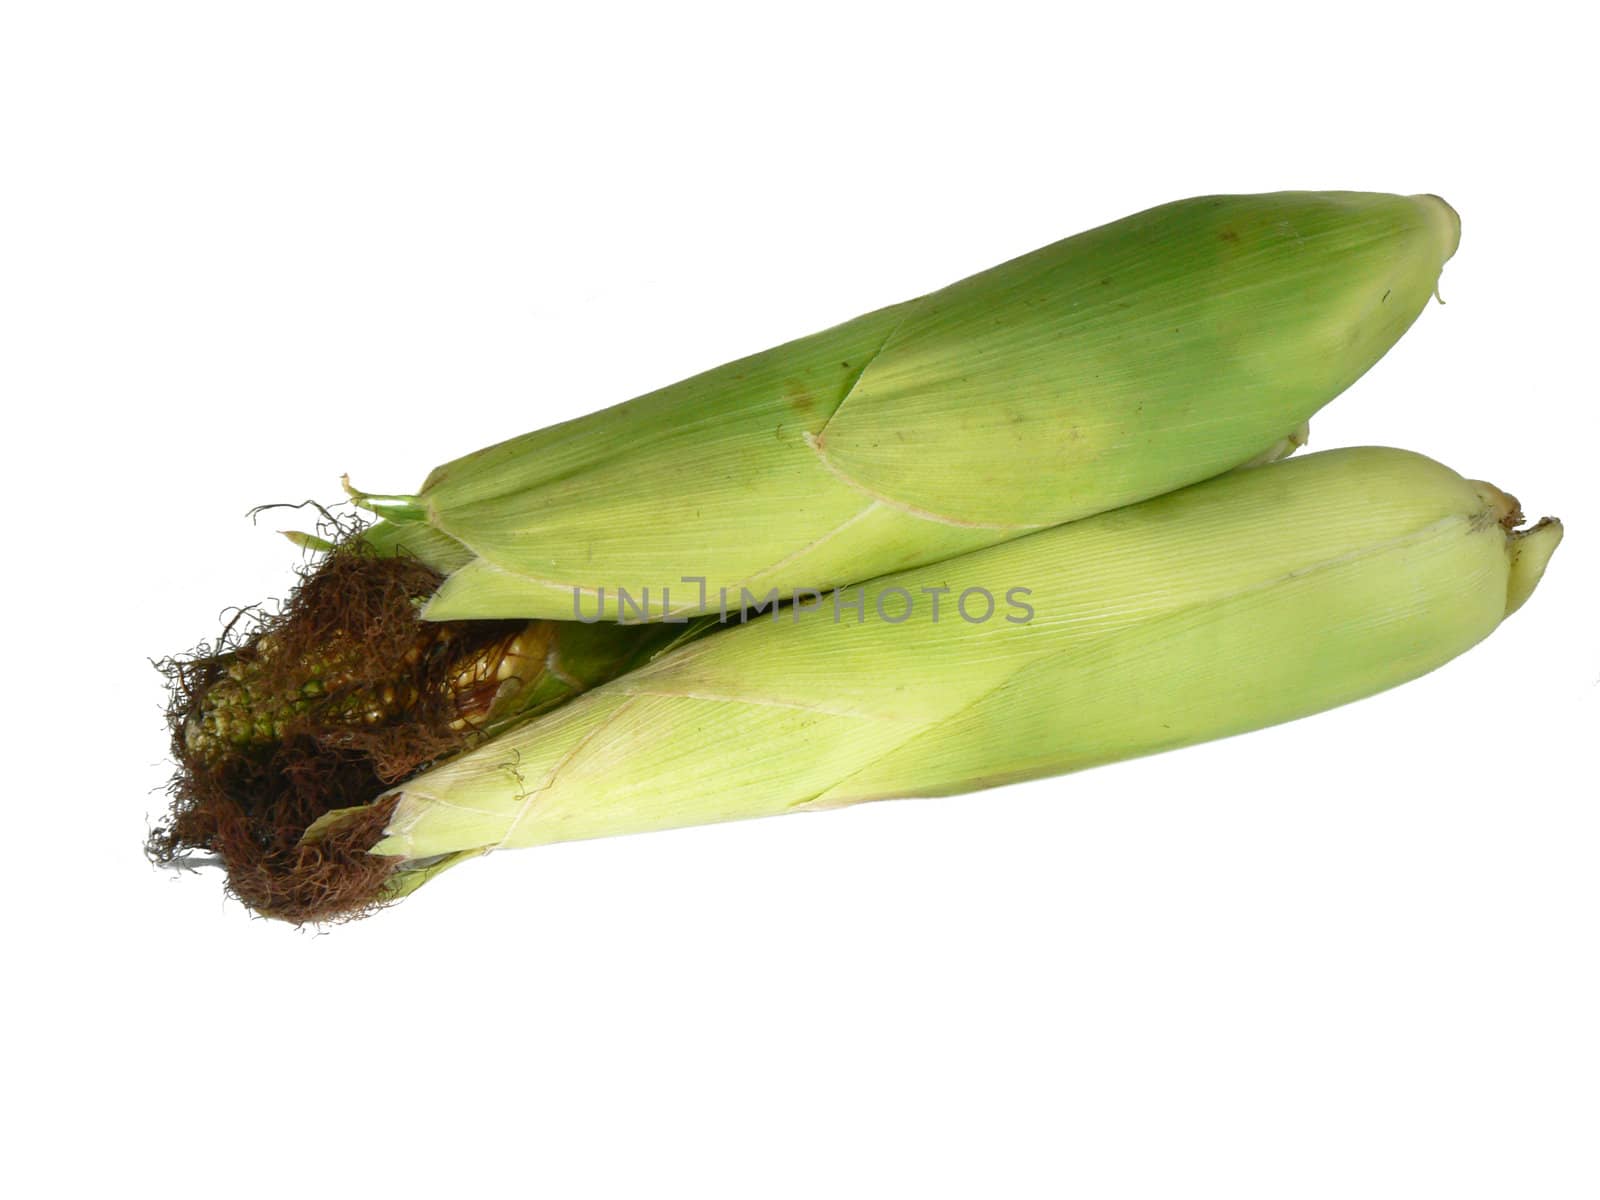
[(1258, 597), (1110, 367)]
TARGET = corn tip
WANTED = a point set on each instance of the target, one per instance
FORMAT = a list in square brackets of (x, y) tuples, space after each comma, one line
[(1445, 220), (1531, 549)]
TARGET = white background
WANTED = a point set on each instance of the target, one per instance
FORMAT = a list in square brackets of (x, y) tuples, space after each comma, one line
[(249, 247)]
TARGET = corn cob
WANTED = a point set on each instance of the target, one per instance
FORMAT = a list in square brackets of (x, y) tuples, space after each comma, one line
[(1110, 367), (481, 673), (346, 659), (1258, 597)]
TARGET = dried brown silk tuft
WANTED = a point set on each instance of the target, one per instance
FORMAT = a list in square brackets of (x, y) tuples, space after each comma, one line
[(320, 706)]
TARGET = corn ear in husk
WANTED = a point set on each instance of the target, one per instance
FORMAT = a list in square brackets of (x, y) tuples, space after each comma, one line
[(1116, 365), (1258, 597)]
